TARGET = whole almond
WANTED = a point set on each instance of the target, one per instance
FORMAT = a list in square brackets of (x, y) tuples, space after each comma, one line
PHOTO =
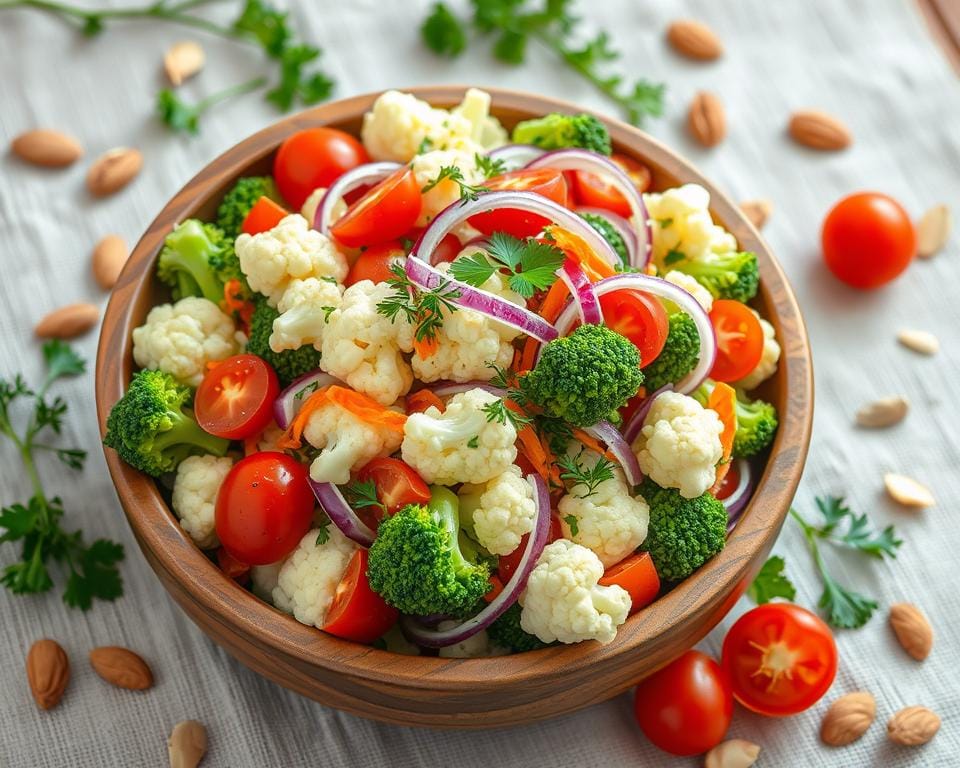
[(51, 149), (848, 719), (922, 342), (913, 726), (113, 170), (912, 629), (818, 130), (121, 667), (109, 256), (48, 672), (706, 119), (907, 491), (883, 413), (758, 211), (933, 231), (187, 744), (183, 60), (735, 753), (695, 40), (68, 322)]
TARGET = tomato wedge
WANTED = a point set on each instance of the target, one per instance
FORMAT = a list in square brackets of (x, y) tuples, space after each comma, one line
[(638, 575), (375, 262), (595, 191), (729, 482), (639, 317), (263, 216), (384, 213), (397, 483), (357, 612), (543, 181), (739, 340), (235, 398)]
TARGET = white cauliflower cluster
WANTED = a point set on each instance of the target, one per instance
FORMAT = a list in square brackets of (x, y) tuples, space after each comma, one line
[(768, 361), (692, 286), (426, 168), (194, 496), (681, 221), (180, 339), (304, 308), (502, 510), (264, 578), (679, 444), (563, 600), (460, 445)]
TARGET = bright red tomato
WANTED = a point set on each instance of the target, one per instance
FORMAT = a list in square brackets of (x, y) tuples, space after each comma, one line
[(397, 483), (385, 213), (314, 157), (638, 575), (596, 191), (686, 707), (780, 658), (264, 508), (357, 612), (543, 181), (235, 398), (729, 483), (739, 340), (375, 262), (639, 317), (868, 239), (508, 563), (263, 216)]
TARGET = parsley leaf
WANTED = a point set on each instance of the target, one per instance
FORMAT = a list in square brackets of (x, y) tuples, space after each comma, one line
[(363, 494), (532, 265), (474, 442), (489, 166), (323, 532), (771, 582), (443, 33), (573, 523), (590, 477), (673, 256), (859, 534)]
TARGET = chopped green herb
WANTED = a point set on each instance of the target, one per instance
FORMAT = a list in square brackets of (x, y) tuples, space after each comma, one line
[(573, 523), (474, 442), (500, 412), (532, 265), (588, 478), (771, 582), (453, 173), (421, 308), (489, 166)]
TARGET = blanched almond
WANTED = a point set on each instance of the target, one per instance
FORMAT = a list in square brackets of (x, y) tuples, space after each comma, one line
[(48, 672), (706, 119), (183, 60), (68, 322), (933, 231), (912, 629), (51, 149), (694, 39), (883, 413), (109, 256), (187, 744), (922, 342), (758, 211), (818, 130), (907, 491), (121, 667), (913, 726), (735, 753), (848, 719), (113, 170)]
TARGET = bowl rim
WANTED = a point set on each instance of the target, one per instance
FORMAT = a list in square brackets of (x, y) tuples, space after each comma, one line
[(157, 532)]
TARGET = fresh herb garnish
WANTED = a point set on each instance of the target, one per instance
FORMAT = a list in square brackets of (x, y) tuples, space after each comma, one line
[(443, 33), (673, 256), (474, 442), (771, 582), (500, 412), (323, 531), (421, 308), (489, 166), (532, 265), (181, 116), (573, 523), (363, 493), (587, 477), (327, 311), (453, 173), (557, 432)]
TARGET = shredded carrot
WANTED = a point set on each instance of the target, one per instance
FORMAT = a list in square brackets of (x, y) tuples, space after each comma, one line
[(233, 302), (593, 444), (426, 347), (534, 452), (723, 400), (419, 401), (576, 247), (364, 408), (497, 588), (554, 300), (292, 437)]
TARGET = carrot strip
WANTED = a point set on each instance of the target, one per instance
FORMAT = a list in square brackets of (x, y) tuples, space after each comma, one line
[(292, 437), (593, 444), (366, 408), (723, 400), (425, 348), (496, 590), (576, 247), (419, 401), (534, 452)]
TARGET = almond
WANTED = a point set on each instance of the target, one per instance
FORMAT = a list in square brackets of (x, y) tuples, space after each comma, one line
[(113, 170), (883, 413), (923, 342), (109, 256), (183, 60), (707, 120), (51, 149), (818, 130), (933, 231), (907, 491), (187, 744), (48, 672), (68, 322), (913, 726), (848, 719), (735, 753), (912, 629), (694, 39), (758, 211), (121, 667)]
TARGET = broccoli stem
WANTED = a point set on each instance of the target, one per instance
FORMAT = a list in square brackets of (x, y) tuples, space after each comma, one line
[(185, 431), (444, 506)]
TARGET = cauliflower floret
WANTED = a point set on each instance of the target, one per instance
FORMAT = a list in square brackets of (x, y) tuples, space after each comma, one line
[(679, 444), (362, 347), (474, 647), (692, 286), (426, 168), (180, 339), (681, 221), (562, 600), (309, 577), (271, 259), (768, 361), (195, 495), (309, 208), (346, 443), (304, 308), (264, 578), (440, 445), (502, 512), (475, 107)]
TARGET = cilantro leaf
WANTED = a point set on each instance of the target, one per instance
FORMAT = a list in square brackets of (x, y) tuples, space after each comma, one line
[(293, 83), (771, 582), (443, 33), (362, 494), (18, 520), (323, 533), (845, 608), (474, 269), (531, 265), (61, 360)]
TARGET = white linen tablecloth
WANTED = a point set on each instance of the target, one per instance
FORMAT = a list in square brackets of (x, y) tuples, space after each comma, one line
[(871, 62)]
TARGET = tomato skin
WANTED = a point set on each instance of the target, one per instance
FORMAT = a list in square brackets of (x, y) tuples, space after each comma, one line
[(375, 262), (357, 612), (868, 239), (639, 317), (686, 707), (235, 398), (507, 564), (398, 484), (594, 191), (779, 637), (314, 157), (233, 568), (542, 181), (264, 508), (739, 340), (638, 575), (384, 213)]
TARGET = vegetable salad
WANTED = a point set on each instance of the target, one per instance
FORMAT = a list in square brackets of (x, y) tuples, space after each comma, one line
[(449, 387)]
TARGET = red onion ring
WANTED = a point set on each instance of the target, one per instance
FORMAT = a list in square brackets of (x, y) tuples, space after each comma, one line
[(450, 388), (624, 229), (515, 155), (605, 432), (341, 514), (287, 404), (580, 287), (362, 175), (439, 638), (737, 501), (631, 430)]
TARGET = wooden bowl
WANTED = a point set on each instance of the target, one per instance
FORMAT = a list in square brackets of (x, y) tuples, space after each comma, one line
[(452, 693)]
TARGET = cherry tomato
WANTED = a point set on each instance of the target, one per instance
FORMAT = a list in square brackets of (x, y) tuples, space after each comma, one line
[(596, 191), (419, 401), (314, 157), (508, 563), (375, 262), (232, 567), (638, 575), (780, 658), (235, 398), (686, 707), (397, 483), (639, 317), (739, 340), (385, 213), (263, 216), (868, 239), (729, 483), (543, 181), (357, 612), (264, 508)]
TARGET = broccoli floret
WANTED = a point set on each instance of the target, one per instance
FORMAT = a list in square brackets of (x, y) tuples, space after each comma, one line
[(197, 260), (289, 364), (610, 234), (240, 199), (679, 355), (149, 428), (683, 533), (506, 632), (585, 377), (731, 275), (558, 131), (416, 564), (756, 426)]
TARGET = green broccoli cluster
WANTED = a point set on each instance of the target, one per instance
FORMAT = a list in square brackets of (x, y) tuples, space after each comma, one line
[(756, 421), (197, 260), (240, 199), (289, 364), (505, 632), (559, 131), (150, 429), (732, 275), (611, 235), (679, 355)]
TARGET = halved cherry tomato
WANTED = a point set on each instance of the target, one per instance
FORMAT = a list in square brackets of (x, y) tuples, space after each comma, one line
[(314, 157), (543, 181), (264, 507), (375, 262), (781, 659), (507, 564), (729, 483), (357, 612), (686, 707), (263, 216), (235, 398), (596, 191), (639, 317), (397, 483), (385, 213), (638, 575), (232, 567), (739, 340)]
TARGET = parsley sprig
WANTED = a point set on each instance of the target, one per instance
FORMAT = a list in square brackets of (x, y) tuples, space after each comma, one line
[(453, 173), (583, 476), (91, 571), (421, 308), (771, 582), (489, 166), (361, 494), (500, 412), (531, 265)]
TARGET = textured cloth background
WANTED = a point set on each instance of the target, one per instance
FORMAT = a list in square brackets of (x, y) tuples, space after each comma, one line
[(871, 62)]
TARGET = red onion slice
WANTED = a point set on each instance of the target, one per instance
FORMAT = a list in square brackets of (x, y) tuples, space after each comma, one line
[(515, 155), (624, 229), (737, 501), (341, 514), (631, 430), (285, 407), (450, 388), (605, 432), (362, 175), (439, 638), (580, 287)]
